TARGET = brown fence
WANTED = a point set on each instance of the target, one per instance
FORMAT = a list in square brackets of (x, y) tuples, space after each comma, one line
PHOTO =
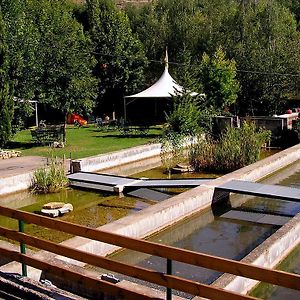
[(164, 279)]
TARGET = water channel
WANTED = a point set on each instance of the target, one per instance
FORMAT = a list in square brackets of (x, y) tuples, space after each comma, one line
[(268, 291), (205, 232), (210, 233)]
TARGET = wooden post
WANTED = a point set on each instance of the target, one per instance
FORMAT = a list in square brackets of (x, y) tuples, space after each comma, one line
[(169, 272), (22, 248)]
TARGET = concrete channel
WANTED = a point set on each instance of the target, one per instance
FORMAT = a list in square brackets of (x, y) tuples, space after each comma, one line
[(179, 207)]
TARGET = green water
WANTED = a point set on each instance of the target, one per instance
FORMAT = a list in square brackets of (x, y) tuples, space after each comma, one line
[(90, 209), (271, 292), (208, 232)]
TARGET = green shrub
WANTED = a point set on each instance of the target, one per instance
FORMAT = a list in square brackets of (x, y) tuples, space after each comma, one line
[(49, 179), (236, 148), (184, 117), (172, 150)]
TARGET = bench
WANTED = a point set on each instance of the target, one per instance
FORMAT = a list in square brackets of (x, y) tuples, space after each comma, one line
[(134, 130), (48, 135)]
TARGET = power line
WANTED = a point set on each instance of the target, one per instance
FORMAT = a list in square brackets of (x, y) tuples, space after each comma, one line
[(238, 70)]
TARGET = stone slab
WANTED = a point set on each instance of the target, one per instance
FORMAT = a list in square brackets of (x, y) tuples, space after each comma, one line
[(149, 194), (256, 217), (261, 190)]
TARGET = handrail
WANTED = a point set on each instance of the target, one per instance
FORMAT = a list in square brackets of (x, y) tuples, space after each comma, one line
[(159, 278), (186, 256), (198, 259), (87, 281)]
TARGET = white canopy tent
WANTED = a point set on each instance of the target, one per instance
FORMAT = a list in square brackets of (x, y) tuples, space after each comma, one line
[(165, 87)]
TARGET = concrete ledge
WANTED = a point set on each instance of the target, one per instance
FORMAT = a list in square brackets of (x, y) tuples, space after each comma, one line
[(268, 254), (117, 158), (15, 183)]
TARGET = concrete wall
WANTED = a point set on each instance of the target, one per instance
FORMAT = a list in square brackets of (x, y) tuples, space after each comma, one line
[(117, 158), (268, 255), (15, 183), (166, 213)]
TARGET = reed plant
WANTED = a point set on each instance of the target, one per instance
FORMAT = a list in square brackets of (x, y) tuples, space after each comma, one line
[(235, 148), (50, 178)]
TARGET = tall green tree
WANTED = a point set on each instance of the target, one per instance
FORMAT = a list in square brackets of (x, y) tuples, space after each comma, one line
[(23, 40), (119, 54), (50, 56), (65, 81), (264, 32), (6, 102), (218, 77)]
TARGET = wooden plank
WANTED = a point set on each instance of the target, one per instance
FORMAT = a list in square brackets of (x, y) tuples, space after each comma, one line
[(87, 281), (261, 190), (174, 282), (186, 256)]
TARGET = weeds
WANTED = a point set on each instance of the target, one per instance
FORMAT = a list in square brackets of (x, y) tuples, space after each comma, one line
[(236, 148), (49, 179)]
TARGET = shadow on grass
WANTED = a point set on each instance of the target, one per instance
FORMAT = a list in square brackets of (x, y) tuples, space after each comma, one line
[(20, 145), (126, 136)]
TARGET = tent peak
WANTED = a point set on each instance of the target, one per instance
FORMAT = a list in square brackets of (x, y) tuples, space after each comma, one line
[(166, 60)]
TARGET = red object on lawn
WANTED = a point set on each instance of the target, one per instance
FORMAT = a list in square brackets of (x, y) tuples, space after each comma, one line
[(75, 117)]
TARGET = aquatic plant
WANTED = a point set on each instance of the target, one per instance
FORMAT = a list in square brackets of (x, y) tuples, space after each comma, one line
[(236, 148), (171, 150), (50, 178)]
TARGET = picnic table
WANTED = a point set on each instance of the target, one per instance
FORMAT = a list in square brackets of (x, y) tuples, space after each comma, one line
[(134, 129), (48, 134)]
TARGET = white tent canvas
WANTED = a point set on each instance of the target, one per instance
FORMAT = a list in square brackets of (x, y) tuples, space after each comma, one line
[(165, 87)]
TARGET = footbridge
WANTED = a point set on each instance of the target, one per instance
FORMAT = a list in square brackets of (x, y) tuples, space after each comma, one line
[(260, 190), (120, 184)]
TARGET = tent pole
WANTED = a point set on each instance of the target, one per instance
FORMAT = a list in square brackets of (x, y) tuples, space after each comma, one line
[(124, 109), (36, 115)]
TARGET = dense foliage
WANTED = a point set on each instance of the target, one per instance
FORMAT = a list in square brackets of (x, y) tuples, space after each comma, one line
[(243, 54), (50, 55), (261, 36), (184, 118), (119, 54), (236, 148), (6, 105)]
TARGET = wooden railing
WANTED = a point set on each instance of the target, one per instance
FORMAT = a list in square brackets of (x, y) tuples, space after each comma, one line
[(164, 279)]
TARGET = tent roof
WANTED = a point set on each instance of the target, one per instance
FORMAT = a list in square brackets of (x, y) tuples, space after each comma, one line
[(165, 87)]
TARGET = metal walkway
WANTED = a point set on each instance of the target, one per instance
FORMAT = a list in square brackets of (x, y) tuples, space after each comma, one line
[(261, 190), (112, 183)]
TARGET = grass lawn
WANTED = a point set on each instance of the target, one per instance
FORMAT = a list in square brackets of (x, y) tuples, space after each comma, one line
[(82, 142)]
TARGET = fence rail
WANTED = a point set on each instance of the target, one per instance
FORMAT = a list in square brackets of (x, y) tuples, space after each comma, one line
[(170, 253)]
